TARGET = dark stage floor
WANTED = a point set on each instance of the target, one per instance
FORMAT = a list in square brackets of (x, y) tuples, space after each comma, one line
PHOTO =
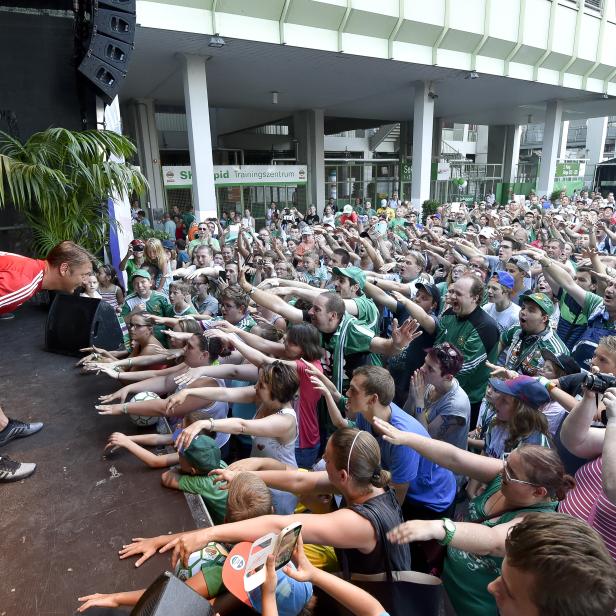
[(61, 529)]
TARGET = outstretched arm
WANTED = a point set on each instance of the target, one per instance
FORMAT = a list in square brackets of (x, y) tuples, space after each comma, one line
[(459, 461)]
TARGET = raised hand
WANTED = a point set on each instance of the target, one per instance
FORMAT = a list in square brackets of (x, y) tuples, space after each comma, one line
[(116, 395), (98, 600), (186, 436), (109, 409), (175, 400), (390, 434), (147, 547), (500, 372), (403, 335), (223, 477), (418, 386)]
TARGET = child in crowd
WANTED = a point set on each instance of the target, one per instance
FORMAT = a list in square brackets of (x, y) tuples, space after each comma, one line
[(247, 498), (179, 296), (90, 288)]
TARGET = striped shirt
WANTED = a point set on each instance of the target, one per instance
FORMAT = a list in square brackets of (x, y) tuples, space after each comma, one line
[(588, 502), (20, 278)]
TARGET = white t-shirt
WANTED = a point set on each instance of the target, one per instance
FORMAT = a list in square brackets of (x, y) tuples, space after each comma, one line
[(505, 318)]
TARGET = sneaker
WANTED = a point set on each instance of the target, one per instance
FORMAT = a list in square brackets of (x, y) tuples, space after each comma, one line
[(14, 471), (7, 316), (18, 429)]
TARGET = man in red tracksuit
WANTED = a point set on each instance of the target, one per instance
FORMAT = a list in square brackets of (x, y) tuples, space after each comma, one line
[(64, 269)]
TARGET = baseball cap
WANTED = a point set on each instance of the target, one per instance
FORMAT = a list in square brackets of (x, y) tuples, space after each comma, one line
[(354, 273), (505, 279), (430, 288), (521, 263), (142, 273), (541, 299), (487, 232), (307, 230), (524, 388), (203, 453), (565, 362), (138, 244), (348, 209), (168, 244), (383, 202), (291, 595)]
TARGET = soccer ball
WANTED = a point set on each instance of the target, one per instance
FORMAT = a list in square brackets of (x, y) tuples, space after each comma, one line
[(213, 553), (144, 420)]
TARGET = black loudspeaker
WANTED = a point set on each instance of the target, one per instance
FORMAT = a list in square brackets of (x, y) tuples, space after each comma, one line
[(76, 322), (110, 46), (168, 596)]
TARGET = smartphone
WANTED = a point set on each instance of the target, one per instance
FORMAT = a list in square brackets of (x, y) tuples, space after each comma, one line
[(364, 234), (286, 544), (282, 546)]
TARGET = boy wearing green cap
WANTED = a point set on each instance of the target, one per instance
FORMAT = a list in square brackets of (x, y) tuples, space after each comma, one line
[(526, 341), (196, 461)]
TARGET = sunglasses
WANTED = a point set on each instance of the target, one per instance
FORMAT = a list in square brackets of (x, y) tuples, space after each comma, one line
[(507, 473)]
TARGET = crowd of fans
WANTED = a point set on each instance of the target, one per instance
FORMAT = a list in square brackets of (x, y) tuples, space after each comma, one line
[(389, 382)]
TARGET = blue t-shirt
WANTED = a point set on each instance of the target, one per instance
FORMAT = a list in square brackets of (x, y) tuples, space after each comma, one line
[(430, 485)]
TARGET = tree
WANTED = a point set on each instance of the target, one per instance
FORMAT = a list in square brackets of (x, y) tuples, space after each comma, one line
[(61, 179)]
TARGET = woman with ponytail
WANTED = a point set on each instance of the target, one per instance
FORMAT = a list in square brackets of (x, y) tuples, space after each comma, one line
[(357, 531)]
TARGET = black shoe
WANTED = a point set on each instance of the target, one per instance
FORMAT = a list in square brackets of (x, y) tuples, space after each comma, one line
[(14, 471), (18, 429)]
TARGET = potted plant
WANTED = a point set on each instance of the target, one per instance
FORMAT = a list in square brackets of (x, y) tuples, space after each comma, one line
[(60, 181)]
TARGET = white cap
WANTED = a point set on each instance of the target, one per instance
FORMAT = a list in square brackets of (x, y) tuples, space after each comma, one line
[(383, 202)]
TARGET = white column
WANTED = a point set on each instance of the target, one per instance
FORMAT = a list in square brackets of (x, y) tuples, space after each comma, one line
[(423, 123), (549, 154), (512, 153), (564, 135), (143, 119), (309, 130), (596, 132), (199, 136)]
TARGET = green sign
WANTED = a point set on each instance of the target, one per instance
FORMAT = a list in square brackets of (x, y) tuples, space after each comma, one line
[(405, 171), (571, 169)]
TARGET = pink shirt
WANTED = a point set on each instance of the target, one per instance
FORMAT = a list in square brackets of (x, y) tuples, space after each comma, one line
[(306, 406), (588, 502)]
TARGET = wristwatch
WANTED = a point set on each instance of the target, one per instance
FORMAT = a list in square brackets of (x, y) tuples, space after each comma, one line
[(450, 530)]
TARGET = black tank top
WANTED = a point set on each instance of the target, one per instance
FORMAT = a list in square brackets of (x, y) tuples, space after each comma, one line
[(384, 513)]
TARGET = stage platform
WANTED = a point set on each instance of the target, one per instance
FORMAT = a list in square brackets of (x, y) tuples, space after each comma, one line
[(61, 529)]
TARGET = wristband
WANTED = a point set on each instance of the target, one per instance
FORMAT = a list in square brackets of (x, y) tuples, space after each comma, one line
[(130, 362), (125, 408), (211, 425), (546, 383)]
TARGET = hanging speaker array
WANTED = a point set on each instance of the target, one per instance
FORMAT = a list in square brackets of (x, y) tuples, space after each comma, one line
[(112, 37)]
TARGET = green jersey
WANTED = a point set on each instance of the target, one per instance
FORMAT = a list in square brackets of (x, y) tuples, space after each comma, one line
[(367, 313), (476, 335)]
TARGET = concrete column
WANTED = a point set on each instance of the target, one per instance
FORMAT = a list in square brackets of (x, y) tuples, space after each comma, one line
[(142, 122), (504, 149), (309, 129), (564, 135), (199, 136), (596, 132), (423, 124), (481, 147), (549, 154), (512, 153)]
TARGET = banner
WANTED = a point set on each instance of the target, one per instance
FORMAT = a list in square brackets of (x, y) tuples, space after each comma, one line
[(230, 175)]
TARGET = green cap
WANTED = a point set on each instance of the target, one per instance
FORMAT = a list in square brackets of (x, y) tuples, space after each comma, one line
[(541, 299), (354, 273), (203, 453), (142, 273)]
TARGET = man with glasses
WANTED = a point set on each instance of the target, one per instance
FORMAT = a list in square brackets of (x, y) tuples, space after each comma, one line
[(204, 237)]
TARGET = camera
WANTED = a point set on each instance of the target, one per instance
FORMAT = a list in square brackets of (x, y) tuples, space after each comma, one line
[(599, 382)]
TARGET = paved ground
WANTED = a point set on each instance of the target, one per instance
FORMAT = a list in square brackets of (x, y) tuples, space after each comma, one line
[(61, 528)]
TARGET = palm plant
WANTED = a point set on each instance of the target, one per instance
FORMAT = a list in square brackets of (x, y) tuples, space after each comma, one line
[(61, 179)]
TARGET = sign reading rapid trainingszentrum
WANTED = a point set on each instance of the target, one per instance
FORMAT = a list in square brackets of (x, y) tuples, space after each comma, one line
[(230, 175)]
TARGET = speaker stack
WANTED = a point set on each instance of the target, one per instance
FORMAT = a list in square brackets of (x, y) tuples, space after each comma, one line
[(112, 37)]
